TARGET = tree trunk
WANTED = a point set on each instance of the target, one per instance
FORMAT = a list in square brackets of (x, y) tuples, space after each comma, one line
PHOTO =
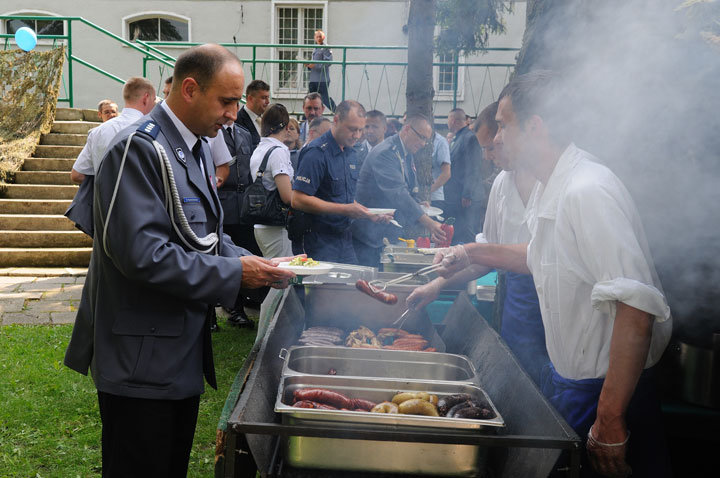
[(419, 93)]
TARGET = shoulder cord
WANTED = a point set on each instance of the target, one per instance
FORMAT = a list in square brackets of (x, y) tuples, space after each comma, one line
[(207, 243)]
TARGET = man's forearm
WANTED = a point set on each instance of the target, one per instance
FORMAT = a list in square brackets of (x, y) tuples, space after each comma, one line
[(509, 257), (629, 348), (314, 205)]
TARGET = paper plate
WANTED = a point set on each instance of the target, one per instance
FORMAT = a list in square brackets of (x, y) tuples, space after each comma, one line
[(432, 210), (379, 210), (322, 268)]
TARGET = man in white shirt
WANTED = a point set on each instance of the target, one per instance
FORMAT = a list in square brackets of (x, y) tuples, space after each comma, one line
[(257, 97), (375, 127), (107, 110), (606, 318), (139, 97)]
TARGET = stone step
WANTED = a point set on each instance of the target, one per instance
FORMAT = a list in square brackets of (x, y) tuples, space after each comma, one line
[(42, 239), (34, 206), (72, 127), (52, 257), (51, 151), (43, 177), (35, 222), (64, 139), (38, 191), (48, 164), (68, 114), (91, 115)]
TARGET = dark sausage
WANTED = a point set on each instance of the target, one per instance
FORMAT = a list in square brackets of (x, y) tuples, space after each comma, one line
[(452, 413), (384, 297), (311, 404), (320, 395), (446, 403), (477, 413)]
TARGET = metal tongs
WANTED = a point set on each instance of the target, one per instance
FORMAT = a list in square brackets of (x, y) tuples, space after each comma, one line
[(378, 285)]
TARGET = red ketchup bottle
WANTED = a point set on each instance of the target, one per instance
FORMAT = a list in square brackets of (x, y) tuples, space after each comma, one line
[(449, 230), (423, 242)]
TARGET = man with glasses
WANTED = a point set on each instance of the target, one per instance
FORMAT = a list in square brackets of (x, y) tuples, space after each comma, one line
[(388, 180)]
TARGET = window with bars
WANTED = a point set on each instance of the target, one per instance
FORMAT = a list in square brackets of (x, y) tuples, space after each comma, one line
[(446, 73), (158, 28), (40, 27), (296, 26)]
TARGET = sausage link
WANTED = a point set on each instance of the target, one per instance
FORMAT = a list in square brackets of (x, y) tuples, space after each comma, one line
[(366, 405), (321, 395), (385, 297)]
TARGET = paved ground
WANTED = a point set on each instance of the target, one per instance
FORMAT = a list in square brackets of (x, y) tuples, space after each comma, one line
[(40, 296)]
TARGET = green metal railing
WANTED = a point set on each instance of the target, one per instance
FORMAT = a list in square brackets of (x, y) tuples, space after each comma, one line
[(151, 52)]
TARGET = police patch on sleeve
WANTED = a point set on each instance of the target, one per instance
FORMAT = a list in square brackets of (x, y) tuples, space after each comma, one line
[(303, 179)]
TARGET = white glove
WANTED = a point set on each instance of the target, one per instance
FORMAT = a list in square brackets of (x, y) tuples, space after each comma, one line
[(453, 260), (423, 295)]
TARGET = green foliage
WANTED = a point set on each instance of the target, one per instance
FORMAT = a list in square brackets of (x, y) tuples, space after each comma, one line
[(465, 25), (49, 419)]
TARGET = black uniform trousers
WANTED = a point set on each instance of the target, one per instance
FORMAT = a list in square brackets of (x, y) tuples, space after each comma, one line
[(322, 88), (146, 438)]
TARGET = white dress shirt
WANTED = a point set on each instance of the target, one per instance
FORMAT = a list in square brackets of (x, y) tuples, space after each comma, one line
[(219, 150), (505, 215), (99, 138), (588, 250), (255, 118), (188, 136)]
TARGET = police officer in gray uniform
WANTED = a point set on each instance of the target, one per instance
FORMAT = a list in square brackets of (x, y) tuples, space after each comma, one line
[(159, 265), (388, 180), (324, 187)]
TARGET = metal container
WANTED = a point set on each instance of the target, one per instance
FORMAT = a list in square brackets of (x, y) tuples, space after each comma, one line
[(484, 293), (377, 363), (700, 374), (381, 456), (406, 262)]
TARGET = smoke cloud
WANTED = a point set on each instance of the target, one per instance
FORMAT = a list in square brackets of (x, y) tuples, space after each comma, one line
[(642, 82)]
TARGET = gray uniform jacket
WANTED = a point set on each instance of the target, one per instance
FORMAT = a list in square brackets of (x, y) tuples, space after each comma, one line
[(142, 325), (387, 180), (321, 71)]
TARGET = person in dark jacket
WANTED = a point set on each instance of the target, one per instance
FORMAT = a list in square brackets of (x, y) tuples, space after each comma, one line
[(257, 97)]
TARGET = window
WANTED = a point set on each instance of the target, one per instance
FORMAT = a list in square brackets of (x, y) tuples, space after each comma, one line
[(296, 25), (40, 27), (444, 76), (156, 27)]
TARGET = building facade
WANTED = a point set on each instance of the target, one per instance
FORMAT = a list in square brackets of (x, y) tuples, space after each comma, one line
[(375, 77)]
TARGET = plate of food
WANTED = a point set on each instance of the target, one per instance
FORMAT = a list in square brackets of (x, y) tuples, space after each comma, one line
[(306, 266), (380, 210), (432, 210)]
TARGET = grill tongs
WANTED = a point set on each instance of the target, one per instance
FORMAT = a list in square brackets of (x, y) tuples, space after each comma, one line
[(378, 285)]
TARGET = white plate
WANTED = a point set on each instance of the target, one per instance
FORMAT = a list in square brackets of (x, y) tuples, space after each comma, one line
[(379, 210), (432, 210), (321, 268)]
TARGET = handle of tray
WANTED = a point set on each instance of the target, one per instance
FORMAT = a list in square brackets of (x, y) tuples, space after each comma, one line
[(283, 353)]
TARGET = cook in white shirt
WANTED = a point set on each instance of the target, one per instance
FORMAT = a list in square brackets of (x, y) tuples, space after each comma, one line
[(603, 308)]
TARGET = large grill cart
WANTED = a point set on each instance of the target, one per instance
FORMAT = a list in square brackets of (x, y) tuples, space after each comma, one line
[(528, 445)]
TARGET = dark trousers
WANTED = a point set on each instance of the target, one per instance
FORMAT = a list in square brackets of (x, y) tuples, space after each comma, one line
[(330, 247), (146, 438), (468, 221), (367, 255), (322, 88)]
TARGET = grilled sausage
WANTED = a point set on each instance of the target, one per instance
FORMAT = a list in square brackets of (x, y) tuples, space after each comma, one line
[(477, 413), (418, 406), (449, 401), (384, 297), (321, 395), (311, 404), (385, 407), (364, 405), (453, 412)]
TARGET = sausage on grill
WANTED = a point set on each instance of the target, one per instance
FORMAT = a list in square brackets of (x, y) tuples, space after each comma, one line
[(384, 297)]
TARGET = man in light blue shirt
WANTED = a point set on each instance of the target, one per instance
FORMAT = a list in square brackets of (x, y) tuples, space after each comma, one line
[(440, 170)]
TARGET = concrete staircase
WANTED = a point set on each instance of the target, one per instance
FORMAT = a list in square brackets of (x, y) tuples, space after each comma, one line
[(33, 230)]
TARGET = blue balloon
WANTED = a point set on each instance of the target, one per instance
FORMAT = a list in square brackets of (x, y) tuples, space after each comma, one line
[(25, 38)]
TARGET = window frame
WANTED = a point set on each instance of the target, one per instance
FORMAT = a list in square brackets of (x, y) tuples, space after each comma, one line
[(275, 89), (37, 13), (447, 95), (126, 20)]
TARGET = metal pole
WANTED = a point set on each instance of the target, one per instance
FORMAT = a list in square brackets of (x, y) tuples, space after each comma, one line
[(456, 58), (344, 66), (252, 69), (70, 64)]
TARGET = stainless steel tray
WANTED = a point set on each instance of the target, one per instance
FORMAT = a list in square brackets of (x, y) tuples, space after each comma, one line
[(381, 456), (379, 390), (396, 364)]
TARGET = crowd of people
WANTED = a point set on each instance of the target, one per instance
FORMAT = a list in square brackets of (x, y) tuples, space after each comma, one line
[(584, 311)]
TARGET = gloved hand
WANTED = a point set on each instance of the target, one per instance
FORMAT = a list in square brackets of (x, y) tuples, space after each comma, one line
[(453, 260), (608, 459), (423, 295)]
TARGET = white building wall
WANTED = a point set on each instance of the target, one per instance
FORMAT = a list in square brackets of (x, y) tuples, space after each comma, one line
[(348, 22)]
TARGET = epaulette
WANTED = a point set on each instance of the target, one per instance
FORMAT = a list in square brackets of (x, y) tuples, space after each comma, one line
[(150, 128), (323, 146)]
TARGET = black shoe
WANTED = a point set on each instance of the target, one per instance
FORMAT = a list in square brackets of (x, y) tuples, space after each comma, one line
[(240, 319), (214, 328)]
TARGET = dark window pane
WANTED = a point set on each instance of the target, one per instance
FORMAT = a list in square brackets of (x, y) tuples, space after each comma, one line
[(145, 30), (49, 27), (173, 30), (15, 25)]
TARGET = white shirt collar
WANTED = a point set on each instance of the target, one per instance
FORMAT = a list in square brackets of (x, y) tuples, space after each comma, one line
[(131, 113), (254, 118), (189, 137)]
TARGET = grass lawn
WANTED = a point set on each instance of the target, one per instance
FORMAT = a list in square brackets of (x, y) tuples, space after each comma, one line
[(49, 420)]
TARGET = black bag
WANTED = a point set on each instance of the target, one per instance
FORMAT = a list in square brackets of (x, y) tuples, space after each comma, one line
[(298, 224), (261, 206)]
